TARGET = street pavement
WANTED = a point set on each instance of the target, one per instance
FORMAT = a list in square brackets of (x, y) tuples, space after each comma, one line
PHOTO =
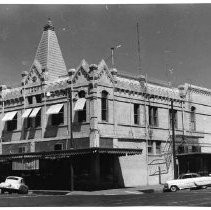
[(138, 196)]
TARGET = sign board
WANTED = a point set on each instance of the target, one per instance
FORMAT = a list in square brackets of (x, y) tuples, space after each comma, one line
[(25, 165)]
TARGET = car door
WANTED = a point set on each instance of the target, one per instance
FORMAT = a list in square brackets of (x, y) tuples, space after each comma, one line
[(193, 180), (187, 181)]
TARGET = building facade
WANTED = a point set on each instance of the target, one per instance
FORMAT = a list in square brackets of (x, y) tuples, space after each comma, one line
[(94, 127)]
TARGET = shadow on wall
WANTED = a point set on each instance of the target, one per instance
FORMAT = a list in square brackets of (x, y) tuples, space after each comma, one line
[(76, 125), (27, 133), (31, 133), (50, 130), (6, 135), (118, 173)]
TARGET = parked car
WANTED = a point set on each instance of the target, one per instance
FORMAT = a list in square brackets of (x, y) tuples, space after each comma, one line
[(14, 184), (187, 181)]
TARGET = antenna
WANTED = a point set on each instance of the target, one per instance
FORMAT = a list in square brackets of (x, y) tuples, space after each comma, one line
[(112, 54), (139, 51), (169, 69), (112, 57)]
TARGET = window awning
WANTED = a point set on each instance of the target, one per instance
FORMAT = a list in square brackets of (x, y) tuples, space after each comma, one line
[(26, 113), (9, 116), (80, 103), (55, 109), (35, 112)]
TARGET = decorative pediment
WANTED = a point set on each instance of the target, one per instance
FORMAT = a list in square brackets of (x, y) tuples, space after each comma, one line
[(34, 75), (81, 75), (104, 75)]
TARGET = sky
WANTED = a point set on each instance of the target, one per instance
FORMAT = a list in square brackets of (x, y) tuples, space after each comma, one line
[(175, 39)]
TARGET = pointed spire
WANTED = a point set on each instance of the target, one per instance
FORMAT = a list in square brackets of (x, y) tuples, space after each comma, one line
[(49, 25), (49, 54)]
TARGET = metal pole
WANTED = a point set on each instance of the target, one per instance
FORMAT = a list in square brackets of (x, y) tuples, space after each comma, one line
[(159, 174), (173, 140), (70, 130)]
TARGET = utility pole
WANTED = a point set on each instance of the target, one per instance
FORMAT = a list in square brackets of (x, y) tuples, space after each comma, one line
[(173, 138), (71, 116), (70, 135)]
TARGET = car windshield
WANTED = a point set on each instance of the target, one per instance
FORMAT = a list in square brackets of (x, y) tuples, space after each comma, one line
[(186, 176), (13, 178)]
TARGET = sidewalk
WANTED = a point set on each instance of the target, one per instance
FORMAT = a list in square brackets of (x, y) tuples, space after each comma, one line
[(120, 191)]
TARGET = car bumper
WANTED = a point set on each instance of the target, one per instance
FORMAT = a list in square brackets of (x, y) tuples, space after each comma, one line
[(165, 189)]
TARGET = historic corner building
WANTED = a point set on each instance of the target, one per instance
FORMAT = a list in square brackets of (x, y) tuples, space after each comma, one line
[(93, 127)]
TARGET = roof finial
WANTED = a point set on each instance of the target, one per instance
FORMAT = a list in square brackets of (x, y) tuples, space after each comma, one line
[(49, 25)]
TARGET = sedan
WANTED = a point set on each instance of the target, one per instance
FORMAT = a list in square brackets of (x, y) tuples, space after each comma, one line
[(187, 181)]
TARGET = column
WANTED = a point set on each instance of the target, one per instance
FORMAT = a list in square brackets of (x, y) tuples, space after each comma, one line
[(96, 169), (94, 133)]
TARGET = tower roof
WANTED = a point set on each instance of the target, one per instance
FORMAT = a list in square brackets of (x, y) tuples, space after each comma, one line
[(49, 54)]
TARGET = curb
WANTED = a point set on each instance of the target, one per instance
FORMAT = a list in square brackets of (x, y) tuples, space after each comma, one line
[(103, 192)]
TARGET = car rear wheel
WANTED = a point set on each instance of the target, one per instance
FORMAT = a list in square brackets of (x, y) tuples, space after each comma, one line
[(23, 189), (174, 188)]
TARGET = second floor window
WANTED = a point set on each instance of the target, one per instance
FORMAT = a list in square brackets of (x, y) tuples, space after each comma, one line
[(12, 124), (38, 98), (150, 147), (136, 114), (29, 122), (30, 99), (21, 149), (153, 116), (82, 112), (38, 119), (193, 118), (32, 117), (58, 119), (175, 118), (158, 147), (104, 106)]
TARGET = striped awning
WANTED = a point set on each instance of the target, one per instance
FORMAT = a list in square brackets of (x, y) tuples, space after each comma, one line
[(55, 109), (35, 112), (26, 113), (9, 116), (80, 103)]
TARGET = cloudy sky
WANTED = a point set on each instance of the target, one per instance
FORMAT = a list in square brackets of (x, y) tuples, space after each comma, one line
[(172, 36)]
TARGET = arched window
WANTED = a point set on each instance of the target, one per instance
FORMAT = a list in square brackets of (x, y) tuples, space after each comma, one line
[(104, 106), (193, 118), (82, 112)]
